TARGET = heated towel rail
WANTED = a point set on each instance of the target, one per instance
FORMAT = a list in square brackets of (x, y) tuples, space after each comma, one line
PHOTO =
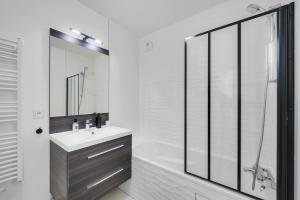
[(11, 165)]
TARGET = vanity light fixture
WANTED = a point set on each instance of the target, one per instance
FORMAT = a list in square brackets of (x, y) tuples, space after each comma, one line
[(188, 38), (87, 38), (75, 31), (99, 42)]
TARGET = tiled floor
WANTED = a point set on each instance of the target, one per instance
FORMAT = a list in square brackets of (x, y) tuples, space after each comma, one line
[(116, 194)]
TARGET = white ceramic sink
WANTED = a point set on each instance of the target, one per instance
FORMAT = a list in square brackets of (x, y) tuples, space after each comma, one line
[(71, 141)]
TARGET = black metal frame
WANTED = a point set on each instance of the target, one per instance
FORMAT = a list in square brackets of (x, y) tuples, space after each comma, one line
[(67, 99), (73, 40), (285, 90), (285, 103)]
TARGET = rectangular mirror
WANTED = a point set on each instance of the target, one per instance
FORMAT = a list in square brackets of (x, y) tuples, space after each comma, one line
[(79, 77)]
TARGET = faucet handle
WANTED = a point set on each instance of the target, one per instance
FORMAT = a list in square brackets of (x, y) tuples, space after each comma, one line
[(249, 169)]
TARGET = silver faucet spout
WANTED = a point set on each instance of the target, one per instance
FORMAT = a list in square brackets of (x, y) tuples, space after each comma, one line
[(88, 124)]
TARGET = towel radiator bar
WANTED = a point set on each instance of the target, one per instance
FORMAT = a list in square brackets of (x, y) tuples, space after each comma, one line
[(11, 155)]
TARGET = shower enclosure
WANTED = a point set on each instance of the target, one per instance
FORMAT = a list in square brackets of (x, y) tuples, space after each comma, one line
[(73, 95), (239, 101), (75, 92)]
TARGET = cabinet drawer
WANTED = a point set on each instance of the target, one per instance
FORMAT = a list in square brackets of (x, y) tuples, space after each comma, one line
[(97, 186), (92, 157), (78, 178)]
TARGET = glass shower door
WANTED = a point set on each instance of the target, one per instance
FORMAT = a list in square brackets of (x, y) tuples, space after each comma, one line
[(259, 106), (239, 105), (223, 108), (197, 106)]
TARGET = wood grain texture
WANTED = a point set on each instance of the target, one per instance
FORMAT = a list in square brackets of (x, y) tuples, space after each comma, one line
[(82, 193), (78, 160), (71, 173), (58, 172)]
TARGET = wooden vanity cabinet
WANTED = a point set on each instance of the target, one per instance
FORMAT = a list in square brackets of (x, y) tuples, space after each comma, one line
[(89, 173)]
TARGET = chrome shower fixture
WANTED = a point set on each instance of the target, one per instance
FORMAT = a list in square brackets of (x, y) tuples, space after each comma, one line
[(264, 176), (254, 8), (83, 74), (85, 69)]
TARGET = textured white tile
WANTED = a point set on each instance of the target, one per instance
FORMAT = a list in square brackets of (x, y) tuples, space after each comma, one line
[(151, 182)]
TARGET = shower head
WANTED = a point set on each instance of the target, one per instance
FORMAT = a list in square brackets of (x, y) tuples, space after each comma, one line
[(85, 69), (254, 8)]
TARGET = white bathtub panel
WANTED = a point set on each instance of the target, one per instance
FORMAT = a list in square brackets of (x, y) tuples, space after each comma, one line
[(151, 181)]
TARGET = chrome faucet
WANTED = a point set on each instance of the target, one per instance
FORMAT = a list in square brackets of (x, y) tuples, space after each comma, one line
[(263, 176), (88, 124)]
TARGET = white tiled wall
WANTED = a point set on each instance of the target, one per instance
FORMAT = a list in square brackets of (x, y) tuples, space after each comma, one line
[(162, 72)]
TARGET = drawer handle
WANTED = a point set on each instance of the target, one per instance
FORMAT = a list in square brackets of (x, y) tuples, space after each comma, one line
[(88, 187), (104, 152)]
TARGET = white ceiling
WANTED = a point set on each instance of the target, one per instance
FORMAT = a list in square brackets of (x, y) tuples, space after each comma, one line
[(145, 16)]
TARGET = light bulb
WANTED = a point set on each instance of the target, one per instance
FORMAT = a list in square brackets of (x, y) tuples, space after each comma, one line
[(75, 31), (99, 42)]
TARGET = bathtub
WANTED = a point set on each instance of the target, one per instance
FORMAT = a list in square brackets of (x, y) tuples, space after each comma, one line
[(158, 174)]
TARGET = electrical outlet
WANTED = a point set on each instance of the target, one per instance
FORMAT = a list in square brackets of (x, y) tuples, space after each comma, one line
[(37, 114), (149, 46)]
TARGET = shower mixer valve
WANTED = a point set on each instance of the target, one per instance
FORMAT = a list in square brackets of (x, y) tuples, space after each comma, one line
[(264, 177)]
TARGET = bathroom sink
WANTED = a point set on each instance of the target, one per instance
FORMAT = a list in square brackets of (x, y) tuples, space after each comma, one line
[(74, 140)]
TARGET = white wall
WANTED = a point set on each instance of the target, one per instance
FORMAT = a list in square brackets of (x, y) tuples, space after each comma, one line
[(161, 70), (31, 20), (102, 84), (123, 85), (58, 86)]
